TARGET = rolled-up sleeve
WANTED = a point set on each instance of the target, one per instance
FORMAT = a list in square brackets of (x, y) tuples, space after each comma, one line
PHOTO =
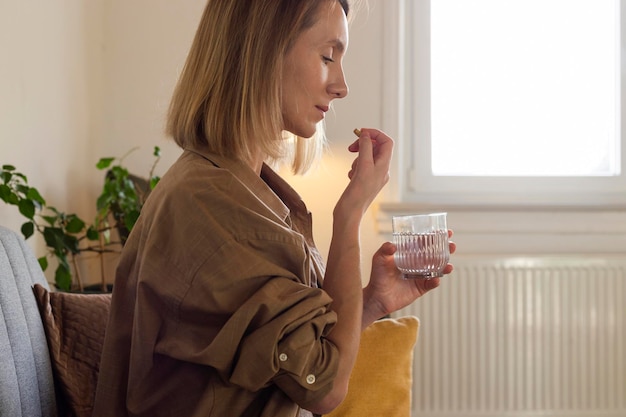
[(277, 336), (283, 328), (289, 347)]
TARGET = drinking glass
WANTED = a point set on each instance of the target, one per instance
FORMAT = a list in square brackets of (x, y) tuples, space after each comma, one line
[(422, 244)]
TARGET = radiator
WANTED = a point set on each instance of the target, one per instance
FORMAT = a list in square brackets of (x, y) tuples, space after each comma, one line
[(523, 337)]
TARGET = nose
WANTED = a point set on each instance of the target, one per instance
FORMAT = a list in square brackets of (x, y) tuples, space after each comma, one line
[(338, 88)]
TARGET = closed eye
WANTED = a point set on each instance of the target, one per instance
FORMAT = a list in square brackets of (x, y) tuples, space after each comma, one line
[(327, 59)]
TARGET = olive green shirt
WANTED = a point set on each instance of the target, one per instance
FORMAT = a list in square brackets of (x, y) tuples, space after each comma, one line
[(216, 309)]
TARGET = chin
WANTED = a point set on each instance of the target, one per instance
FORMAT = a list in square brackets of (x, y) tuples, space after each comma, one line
[(303, 133)]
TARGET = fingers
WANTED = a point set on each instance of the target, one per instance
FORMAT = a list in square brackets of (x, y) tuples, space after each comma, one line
[(432, 283), (452, 245), (384, 254), (374, 150), (352, 169), (377, 139), (364, 145), (387, 249)]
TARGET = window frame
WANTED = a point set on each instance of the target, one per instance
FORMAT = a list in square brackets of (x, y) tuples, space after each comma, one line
[(415, 185)]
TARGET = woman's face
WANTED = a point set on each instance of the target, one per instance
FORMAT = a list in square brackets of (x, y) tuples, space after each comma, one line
[(313, 73)]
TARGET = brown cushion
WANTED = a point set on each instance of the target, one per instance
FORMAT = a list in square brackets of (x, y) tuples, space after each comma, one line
[(381, 382), (74, 326)]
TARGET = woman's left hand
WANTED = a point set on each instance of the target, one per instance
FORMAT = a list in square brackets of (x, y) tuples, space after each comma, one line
[(387, 291)]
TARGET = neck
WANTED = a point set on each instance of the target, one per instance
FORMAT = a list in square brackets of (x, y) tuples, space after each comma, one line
[(257, 163)]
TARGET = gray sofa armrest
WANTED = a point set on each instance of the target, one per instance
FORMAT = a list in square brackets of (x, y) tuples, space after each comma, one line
[(26, 381)]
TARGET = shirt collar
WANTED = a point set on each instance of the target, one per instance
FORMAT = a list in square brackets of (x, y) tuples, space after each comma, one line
[(270, 188)]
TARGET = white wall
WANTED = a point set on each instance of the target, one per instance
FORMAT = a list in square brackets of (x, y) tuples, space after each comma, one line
[(45, 99), (82, 80)]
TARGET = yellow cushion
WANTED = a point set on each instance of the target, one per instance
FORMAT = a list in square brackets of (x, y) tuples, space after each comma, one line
[(380, 384)]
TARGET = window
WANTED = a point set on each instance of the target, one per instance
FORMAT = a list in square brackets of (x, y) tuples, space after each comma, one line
[(511, 102)]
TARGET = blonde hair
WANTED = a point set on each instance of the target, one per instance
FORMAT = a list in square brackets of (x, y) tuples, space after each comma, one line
[(228, 95)]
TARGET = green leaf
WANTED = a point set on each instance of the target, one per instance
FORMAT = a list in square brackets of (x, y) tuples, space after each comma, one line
[(157, 151), (5, 192), (54, 238), (33, 194), (6, 177), (28, 229), (92, 233), (130, 219), (63, 278), (103, 201), (51, 220), (27, 208), (12, 199), (22, 189), (104, 163), (119, 172), (8, 167), (43, 263), (154, 181), (21, 176), (74, 224), (71, 243)]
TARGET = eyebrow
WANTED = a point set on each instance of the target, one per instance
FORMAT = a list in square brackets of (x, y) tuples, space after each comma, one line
[(338, 44)]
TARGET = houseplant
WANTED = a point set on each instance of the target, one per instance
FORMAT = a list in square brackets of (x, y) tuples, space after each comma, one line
[(67, 235)]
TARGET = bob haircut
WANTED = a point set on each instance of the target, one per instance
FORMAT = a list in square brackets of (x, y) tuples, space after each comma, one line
[(228, 94)]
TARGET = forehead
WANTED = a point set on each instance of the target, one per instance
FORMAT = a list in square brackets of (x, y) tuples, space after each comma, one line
[(330, 27)]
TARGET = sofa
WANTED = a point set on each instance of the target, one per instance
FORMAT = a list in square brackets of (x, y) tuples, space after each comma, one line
[(50, 345), (50, 342)]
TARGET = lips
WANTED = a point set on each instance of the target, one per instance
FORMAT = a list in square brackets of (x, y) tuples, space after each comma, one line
[(324, 109)]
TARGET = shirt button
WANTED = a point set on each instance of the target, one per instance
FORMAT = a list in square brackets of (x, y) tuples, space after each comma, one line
[(310, 379), (282, 357)]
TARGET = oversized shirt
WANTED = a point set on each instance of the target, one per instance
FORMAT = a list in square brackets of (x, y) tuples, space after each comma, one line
[(216, 308)]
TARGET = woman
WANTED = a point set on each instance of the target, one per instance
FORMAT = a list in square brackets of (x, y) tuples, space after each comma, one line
[(222, 304)]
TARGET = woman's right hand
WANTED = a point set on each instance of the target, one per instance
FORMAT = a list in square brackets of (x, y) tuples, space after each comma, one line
[(342, 280), (370, 169)]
